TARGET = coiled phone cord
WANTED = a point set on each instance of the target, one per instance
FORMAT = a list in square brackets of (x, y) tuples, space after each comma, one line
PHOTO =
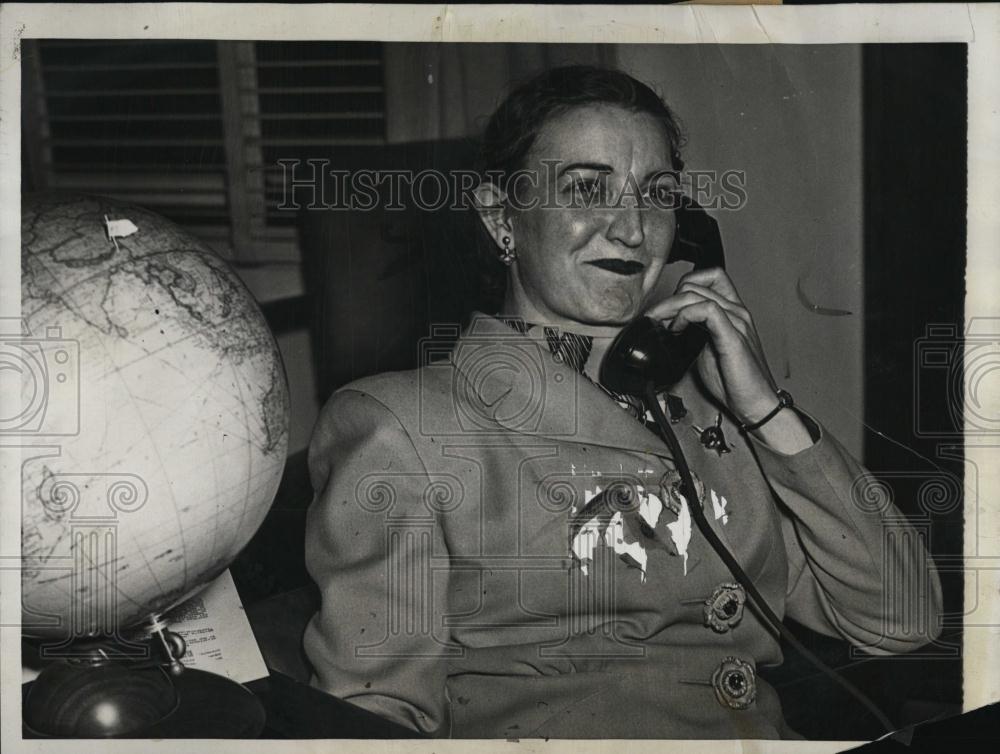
[(690, 493)]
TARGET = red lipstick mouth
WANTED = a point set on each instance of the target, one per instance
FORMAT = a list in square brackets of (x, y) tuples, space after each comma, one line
[(626, 267)]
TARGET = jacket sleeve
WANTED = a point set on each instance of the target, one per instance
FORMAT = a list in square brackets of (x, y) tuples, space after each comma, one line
[(370, 546), (857, 568)]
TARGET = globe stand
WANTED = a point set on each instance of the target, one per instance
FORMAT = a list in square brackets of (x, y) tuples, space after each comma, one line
[(98, 694)]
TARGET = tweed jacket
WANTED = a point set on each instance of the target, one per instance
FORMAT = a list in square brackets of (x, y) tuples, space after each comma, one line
[(476, 582)]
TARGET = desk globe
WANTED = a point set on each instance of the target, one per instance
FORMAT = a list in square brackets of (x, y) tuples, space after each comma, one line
[(156, 408)]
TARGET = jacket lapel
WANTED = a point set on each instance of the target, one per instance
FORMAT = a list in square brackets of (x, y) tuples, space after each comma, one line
[(514, 381)]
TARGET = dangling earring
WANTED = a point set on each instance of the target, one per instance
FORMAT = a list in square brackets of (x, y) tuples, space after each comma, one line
[(508, 255)]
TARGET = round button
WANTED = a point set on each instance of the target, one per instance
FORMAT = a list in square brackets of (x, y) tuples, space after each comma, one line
[(735, 683), (724, 609)]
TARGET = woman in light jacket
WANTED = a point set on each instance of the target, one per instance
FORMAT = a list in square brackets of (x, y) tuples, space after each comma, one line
[(501, 543)]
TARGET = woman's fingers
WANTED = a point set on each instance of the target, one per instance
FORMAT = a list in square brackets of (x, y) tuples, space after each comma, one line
[(714, 278), (733, 308), (697, 304), (724, 328), (737, 372), (669, 309), (734, 369)]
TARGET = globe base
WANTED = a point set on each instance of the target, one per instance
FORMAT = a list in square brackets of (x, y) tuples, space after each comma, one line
[(83, 700), (71, 700)]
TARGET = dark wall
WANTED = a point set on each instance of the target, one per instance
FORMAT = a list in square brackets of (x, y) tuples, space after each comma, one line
[(915, 241)]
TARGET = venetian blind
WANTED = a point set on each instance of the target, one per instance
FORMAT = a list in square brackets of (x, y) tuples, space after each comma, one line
[(194, 129)]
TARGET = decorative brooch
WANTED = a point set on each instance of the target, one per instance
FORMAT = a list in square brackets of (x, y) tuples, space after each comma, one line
[(712, 437)]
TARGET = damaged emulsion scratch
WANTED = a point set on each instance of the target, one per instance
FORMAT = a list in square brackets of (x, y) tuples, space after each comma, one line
[(18, 34), (815, 308), (760, 24), (443, 19)]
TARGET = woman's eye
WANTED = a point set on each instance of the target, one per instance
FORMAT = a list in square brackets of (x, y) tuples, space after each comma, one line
[(664, 196), (587, 188)]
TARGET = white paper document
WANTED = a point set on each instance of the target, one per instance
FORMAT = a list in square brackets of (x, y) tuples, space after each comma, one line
[(218, 634)]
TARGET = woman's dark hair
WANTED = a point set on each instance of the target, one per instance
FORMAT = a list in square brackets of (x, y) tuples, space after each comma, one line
[(515, 125)]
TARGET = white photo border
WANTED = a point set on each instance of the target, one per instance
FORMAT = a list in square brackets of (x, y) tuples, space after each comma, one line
[(977, 25)]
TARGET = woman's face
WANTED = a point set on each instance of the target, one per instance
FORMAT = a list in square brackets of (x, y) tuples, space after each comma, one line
[(587, 252)]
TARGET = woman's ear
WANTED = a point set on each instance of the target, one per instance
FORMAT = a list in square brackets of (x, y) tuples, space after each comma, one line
[(492, 210)]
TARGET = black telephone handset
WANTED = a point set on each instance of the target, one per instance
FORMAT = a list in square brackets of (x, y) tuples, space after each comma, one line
[(645, 351)]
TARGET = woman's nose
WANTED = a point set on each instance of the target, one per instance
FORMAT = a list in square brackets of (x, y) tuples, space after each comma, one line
[(626, 226)]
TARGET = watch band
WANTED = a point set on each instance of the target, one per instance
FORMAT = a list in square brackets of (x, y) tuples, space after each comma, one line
[(784, 401)]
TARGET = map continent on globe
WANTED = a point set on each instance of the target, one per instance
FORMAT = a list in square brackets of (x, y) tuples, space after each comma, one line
[(156, 405)]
